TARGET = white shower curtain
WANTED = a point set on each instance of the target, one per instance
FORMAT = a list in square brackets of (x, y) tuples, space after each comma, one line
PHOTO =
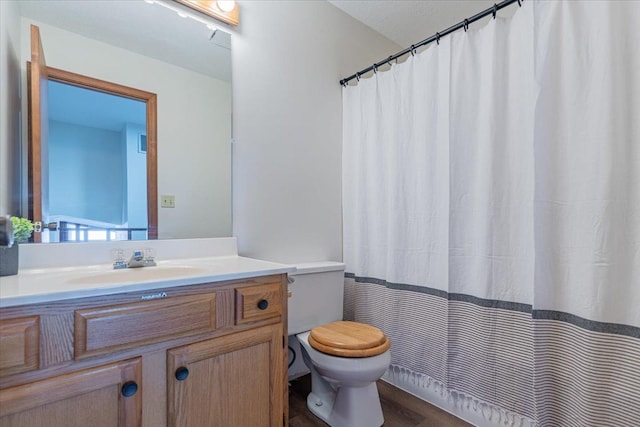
[(587, 214), (491, 197)]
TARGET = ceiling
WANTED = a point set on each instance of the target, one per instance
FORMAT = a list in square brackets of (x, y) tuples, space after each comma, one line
[(408, 22), (90, 108)]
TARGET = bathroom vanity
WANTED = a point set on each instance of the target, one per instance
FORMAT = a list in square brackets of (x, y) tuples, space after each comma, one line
[(201, 348)]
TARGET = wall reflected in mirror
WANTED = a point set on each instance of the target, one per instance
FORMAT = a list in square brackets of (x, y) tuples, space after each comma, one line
[(150, 48)]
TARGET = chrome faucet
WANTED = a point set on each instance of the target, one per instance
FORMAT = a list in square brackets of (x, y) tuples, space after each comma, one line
[(139, 258), (136, 260)]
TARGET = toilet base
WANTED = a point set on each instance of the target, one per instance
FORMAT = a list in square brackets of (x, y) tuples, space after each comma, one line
[(348, 407)]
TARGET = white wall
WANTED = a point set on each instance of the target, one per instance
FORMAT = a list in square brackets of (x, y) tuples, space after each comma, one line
[(88, 180), (288, 57), (9, 108), (136, 182), (193, 126)]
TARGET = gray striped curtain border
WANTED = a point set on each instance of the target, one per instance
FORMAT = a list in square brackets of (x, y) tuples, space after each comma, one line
[(590, 325)]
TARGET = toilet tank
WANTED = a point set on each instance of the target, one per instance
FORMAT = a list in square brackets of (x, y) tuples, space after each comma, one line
[(316, 295)]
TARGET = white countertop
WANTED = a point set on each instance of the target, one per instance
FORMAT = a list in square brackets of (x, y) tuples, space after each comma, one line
[(38, 285)]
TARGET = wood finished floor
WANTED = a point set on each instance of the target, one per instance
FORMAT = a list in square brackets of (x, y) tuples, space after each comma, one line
[(400, 409)]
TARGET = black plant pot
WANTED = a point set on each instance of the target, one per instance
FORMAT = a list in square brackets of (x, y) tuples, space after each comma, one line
[(9, 260)]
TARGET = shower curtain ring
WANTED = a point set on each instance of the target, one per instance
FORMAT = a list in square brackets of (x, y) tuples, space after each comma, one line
[(495, 10), (358, 76), (520, 3), (438, 38), (413, 50), (466, 24), (375, 69), (389, 60)]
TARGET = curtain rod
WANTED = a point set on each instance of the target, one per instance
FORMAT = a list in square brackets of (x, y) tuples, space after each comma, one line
[(435, 38)]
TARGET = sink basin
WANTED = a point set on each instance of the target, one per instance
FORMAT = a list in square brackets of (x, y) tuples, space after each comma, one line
[(132, 275)]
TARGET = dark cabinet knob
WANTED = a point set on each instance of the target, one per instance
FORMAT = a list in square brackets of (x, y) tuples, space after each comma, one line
[(182, 373), (263, 304), (129, 388)]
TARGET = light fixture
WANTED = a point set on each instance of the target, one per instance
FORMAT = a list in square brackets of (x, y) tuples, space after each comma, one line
[(185, 13), (226, 11), (226, 5)]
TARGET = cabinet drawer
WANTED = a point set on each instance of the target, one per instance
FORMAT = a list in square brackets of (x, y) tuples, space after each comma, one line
[(258, 302), (104, 329), (19, 345)]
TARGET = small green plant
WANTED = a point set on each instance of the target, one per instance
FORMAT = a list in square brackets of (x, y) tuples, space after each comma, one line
[(22, 229)]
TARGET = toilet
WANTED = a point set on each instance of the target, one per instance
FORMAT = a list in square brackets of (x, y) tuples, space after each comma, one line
[(345, 358)]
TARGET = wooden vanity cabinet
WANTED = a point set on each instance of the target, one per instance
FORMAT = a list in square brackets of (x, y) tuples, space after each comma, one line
[(233, 380), (19, 341), (106, 395), (199, 355)]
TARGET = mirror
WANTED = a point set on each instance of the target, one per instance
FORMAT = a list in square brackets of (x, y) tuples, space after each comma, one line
[(189, 68)]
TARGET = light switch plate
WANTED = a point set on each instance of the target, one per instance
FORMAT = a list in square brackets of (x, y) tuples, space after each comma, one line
[(168, 201)]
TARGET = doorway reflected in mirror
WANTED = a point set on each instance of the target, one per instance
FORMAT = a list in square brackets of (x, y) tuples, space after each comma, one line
[(97, 165)]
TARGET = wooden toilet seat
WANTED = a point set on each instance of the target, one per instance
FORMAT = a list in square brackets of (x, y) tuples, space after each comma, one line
[(349, 339)]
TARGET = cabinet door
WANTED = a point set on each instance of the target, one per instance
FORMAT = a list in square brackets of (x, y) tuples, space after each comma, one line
[(106, 396), (235, 380), (19, 345)]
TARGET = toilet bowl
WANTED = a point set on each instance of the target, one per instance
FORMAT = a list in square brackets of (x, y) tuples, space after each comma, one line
[(345, 359)]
